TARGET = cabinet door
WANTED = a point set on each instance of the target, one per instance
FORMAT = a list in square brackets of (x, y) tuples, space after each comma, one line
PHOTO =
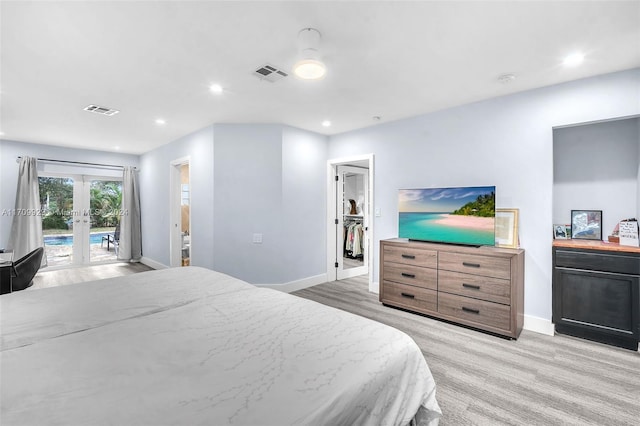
[(603, 302)]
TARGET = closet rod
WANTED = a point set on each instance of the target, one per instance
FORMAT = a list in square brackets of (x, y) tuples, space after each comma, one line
[(76, 162)]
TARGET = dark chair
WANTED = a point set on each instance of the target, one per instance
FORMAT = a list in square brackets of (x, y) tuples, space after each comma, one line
[(112, 239), (25, 269)]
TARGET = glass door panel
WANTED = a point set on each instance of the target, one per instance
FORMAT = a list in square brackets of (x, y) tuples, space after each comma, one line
[(105, 201), (56, 200)]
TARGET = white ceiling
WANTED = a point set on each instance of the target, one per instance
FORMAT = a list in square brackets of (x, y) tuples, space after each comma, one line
[(390, 59)]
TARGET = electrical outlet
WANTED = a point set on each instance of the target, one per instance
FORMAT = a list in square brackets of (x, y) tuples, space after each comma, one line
[(257, 238), (377, 212)]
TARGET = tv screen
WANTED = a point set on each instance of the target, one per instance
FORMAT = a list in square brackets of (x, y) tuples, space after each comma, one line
[(463, 215)]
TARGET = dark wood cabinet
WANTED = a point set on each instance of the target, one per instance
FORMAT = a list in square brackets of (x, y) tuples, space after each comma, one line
[(482, 287), (596, 292)]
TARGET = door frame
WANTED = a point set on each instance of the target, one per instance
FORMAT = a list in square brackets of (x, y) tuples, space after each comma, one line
[(332, 208), (175, 213)]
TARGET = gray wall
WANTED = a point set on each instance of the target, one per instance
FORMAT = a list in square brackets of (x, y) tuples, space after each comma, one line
[(638, 187), (10, 150), (507, 142), (155, 197), (269, 180), (596, 168), (248, 200), (304, 198), (246, 179)]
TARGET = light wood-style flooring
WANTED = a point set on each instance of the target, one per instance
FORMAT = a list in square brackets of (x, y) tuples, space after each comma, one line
[(53, 278), (486, 380)]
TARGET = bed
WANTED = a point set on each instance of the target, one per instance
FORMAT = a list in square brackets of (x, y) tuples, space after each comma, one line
[(190, 346)]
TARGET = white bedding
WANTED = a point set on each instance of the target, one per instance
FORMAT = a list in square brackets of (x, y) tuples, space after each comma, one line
[(190, 346)]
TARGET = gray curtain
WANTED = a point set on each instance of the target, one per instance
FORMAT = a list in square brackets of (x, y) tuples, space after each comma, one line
[(26, 228), (130, 247)]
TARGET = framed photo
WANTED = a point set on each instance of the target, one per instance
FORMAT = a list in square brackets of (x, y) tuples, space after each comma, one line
[(560, 232), (507, 228), (586, 224)]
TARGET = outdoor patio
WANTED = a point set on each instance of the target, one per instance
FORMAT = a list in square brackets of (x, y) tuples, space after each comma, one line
[(59, 255)]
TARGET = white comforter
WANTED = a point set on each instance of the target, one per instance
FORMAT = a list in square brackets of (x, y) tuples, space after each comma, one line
[(191, 346)]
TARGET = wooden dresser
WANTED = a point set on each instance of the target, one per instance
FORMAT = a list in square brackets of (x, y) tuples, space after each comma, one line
[(482, 287)]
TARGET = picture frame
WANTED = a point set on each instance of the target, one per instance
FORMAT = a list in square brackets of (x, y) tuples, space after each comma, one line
[(560, 232), (586, 224), (507, 228)]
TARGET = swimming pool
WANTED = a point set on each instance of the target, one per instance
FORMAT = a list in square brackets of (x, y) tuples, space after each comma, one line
[(67, 240)]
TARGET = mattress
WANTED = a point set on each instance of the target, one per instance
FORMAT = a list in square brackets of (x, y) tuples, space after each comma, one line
[(193, 346)]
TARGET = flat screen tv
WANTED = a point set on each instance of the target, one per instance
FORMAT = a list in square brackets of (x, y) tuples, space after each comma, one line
[(464, 215)]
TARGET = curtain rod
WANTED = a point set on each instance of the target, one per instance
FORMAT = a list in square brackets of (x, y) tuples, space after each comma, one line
[(76, 162)]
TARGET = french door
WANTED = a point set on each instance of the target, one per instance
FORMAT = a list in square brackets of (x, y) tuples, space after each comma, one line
[(80, 218)]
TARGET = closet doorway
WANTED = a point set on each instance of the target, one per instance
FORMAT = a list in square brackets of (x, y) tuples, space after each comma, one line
[(350, 233), (180, 198)]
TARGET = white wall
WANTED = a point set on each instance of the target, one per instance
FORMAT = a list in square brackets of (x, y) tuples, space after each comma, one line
[(506, 142), (596, 168), (11, 150)]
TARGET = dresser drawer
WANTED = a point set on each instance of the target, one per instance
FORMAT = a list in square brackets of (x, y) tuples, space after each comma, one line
[(412, 275), (598, 261), (488, 266), (410, 297), (474, 310), (476, 286), (411, 256)]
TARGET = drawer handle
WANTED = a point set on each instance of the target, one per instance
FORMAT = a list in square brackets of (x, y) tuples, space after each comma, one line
[(475, 287), (404, 274), (471, 265), (410, 296), (472, 311), (408, 256)]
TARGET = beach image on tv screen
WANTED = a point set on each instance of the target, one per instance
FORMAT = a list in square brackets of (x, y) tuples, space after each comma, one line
[(452, 215)]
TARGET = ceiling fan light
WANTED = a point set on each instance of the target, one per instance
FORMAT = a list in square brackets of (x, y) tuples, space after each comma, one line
[(309, 69)]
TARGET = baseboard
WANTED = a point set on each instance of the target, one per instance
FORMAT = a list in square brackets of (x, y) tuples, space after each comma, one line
[(297, 285), (538, 325), (152, 263)]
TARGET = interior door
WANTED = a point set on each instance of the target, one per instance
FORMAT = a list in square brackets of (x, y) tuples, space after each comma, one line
[(180, 199), (352, 220)]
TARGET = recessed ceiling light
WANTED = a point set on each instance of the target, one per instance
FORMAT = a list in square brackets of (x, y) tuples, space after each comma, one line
[(216, 88), (1, 133), (326, 123), (574, 59), (160, 121), (117, 148)]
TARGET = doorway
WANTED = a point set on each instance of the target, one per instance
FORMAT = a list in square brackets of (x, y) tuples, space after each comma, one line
[(80, 216), (350, 230), (180, 199)]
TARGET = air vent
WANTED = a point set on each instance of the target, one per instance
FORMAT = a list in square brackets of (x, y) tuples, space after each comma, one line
[(101, 110), (270, 73)]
